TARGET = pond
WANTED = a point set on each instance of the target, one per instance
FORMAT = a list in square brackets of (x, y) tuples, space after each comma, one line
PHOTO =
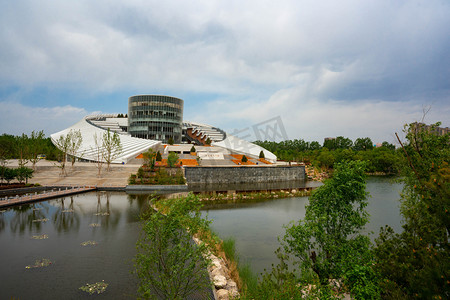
[(256, 226), (56, 229)]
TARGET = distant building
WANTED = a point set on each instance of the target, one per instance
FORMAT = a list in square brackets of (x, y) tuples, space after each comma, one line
[(152, 121), (429, 128), (155, 117)]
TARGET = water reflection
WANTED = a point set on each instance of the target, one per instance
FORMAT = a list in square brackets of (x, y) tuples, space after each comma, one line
[(73, 265), (64, 217), (252, 186), (256, 226), (25, 215)]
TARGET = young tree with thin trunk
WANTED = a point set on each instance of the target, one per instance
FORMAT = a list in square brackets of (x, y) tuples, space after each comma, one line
[(112, 147), (66, 144), (98, 141), (36, 146), (74, 145), (22, 144)]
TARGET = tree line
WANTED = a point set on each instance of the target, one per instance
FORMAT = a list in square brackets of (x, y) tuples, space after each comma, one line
[(383, 159), (325, 255), (107, 147), (27, 148), (330, 254)]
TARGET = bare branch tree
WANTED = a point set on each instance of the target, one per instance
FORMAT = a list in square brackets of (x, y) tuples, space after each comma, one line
[(112, 147), (98, 142), (74, 146), (68, 145)]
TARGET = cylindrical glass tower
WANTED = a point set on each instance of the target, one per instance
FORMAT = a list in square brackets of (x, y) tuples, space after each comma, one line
[(155, 117)]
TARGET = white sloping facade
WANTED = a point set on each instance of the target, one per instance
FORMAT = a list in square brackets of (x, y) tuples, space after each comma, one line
[(131, 146), (238, 145)]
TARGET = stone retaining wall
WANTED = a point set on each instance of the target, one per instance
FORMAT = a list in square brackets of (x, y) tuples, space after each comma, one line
[(244, 174)]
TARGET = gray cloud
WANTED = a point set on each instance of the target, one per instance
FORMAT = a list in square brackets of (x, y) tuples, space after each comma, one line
[(268, 57), (17, 118)]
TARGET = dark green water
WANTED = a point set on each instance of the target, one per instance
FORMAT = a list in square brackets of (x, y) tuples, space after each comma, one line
[(256, 226), (72, 264)]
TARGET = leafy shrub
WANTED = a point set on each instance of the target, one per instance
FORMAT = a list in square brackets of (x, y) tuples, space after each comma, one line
[(261, 154), (158, 156)]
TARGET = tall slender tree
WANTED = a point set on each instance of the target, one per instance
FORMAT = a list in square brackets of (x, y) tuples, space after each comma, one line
[(112, 147), (74, 146), (416, 262)]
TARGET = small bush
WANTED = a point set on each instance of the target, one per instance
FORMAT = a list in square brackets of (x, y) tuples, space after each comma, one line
[(244, 159), (158, 156), (261, 154), (193, 149)]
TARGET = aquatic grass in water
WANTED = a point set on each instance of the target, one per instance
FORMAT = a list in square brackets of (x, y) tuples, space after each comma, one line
[(92, 288), (40, 263), (40, 237), (41, 220), (89, 243), (101, 214), (229, 248)]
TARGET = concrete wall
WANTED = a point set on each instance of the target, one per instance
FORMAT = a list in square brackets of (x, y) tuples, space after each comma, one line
[(243, 174)]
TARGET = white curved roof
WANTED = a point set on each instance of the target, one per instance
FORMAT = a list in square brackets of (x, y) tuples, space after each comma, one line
[(238, 145), (131, 146)]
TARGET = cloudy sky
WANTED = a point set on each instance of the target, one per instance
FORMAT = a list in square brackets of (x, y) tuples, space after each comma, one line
[(324, 68)]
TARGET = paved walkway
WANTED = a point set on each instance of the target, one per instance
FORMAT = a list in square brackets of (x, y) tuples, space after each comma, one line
[(9, 201), (47, 173)]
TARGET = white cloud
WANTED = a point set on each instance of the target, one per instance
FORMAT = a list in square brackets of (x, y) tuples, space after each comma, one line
[(17, 118), (315, 119), (358, 64)]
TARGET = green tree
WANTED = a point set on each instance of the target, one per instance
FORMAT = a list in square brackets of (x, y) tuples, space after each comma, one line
[(416, 262), (327, 242), (76, 139), (36, 146), (343, 143), (244, 159), (22, 146), (330, 144), (208, 141), (158, 156), (261, 154), (193, 149), (314, 145), (112, 147), (168, 264), (9, 174), (325, 158), (170, 141), (172, 159), (363, 144), (388, 145), (150, 158), (23, 174), (63, 144)]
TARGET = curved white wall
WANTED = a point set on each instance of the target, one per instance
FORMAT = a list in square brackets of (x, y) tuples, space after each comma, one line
[(131, 147), (238, 145)]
